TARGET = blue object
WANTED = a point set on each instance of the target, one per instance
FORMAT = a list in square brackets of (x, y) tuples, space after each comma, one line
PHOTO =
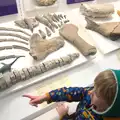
[(8, 7), (76, 1)]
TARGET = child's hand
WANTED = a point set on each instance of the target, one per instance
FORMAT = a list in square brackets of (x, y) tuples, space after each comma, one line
[(35, 100), (62, 109)]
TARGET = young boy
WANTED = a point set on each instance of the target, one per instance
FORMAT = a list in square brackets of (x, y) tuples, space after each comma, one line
[(95, 103)]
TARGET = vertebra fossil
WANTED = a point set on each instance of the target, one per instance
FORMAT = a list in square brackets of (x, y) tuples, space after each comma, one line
[(21, 75), (8, 57), (14, 29), (45, 22), (40, 49), (70, 33)]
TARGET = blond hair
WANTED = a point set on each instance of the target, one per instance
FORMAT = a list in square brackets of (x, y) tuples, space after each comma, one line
[(105, 86)]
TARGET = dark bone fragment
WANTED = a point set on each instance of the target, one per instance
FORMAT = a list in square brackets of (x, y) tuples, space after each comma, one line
[(56, 17), (3, 84), (13, 78), (43, 35)]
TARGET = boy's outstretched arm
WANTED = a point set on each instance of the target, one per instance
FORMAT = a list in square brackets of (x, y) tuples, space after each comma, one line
[(67, 94)]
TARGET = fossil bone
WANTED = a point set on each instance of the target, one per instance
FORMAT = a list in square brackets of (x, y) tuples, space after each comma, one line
[(13, 40), (45, 2), (21, 23), (14, 29), (14, 35), (27, 23), (52, 17), (48, 31), (110, 29), (97, 10), (45, 22), (50, 21), (66, 21), (31, 22), (85, 48), (56, 17), (43, 35), (14, 47), (21, 75), (40, 49)]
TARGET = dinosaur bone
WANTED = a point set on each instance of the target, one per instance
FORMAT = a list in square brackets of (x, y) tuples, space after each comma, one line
[(27, 23), (45, 22), (14, 35), (45, 2), (14, 47), (40, 49), (12, 40), (97, 10), (70, 33), (26, 73), (52, 17), (56, 17), (110, 29), (48, 31), (14, 29), (50, 21), (43, 35)]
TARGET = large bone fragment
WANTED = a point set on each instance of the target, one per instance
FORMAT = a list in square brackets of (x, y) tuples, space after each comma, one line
[(15, 30), (14, 35), (45, 22), (40, 49), (70, 33), (43, 35), (45, 2), (110, 29), (97, 10)]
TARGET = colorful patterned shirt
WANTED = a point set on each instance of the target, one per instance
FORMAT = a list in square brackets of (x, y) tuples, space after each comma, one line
[(75, 94)]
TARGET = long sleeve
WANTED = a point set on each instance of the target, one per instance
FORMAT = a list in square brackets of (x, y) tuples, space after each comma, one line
[(67, 94)]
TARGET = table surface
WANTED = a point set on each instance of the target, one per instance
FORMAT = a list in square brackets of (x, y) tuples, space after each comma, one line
[(15, 107)]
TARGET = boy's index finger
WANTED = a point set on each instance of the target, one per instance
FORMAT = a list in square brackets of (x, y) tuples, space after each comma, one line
[(28, 96)]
